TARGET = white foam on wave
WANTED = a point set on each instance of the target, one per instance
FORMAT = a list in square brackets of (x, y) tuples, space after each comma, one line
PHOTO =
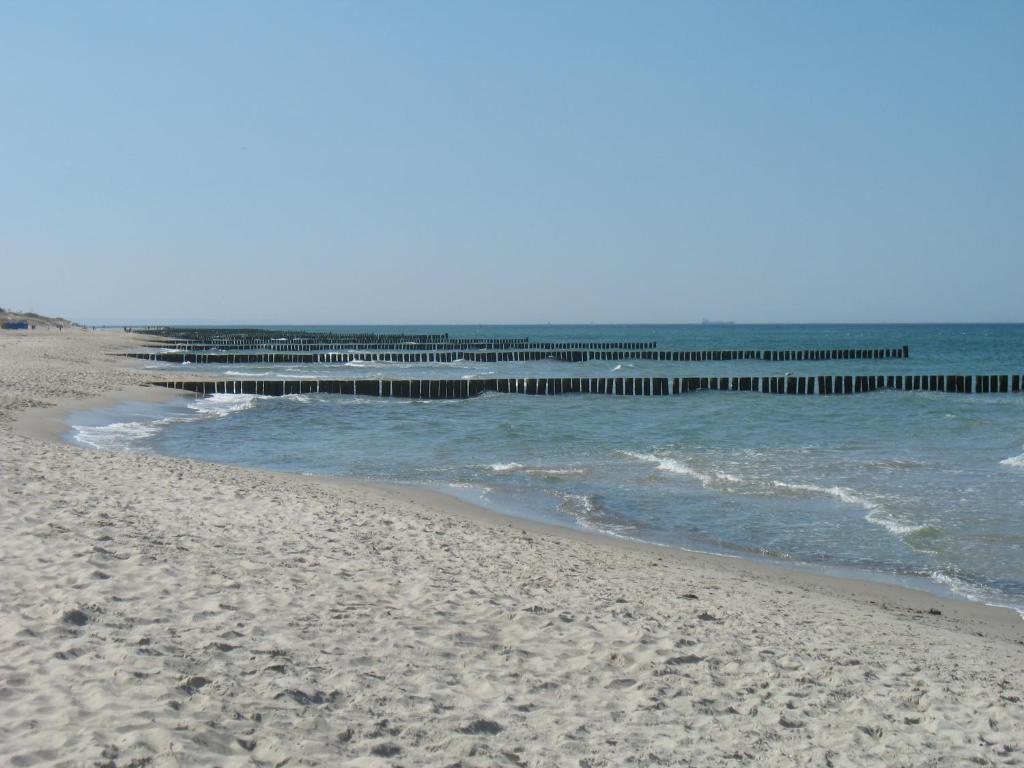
[(676, 467), (587, 513), (876, 513), (125, 435), (223, 404), (505, 467), (119, 436), (1014, 461), (974, 592), (515, 466), (244, 373), (843, 494), (959, 586), (360, 400), (583, 505), (555, 471)]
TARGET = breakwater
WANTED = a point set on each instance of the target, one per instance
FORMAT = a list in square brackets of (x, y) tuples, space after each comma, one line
[(206, 339), (256, 335), (448, 389), (515, 356), (460, 344)]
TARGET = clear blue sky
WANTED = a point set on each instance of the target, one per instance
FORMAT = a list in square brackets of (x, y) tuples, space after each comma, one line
[(517, 162)]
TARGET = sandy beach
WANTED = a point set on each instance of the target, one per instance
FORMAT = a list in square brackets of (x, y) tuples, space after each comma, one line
[(167, 612)]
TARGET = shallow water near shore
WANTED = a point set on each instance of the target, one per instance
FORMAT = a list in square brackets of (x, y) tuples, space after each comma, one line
[(918, 487)]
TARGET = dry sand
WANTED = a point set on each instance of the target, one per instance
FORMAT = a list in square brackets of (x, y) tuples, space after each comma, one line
[(167, 612)]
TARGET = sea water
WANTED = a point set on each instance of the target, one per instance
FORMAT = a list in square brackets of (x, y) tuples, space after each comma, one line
[(921, 487)]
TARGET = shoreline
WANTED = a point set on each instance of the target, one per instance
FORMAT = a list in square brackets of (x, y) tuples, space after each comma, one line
[(49, 424), (146, 599)]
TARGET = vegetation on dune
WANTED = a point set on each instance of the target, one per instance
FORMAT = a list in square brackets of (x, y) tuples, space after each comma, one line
[(33, 318)]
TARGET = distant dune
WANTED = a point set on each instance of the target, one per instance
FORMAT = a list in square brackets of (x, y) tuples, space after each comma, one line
[(32, 318)]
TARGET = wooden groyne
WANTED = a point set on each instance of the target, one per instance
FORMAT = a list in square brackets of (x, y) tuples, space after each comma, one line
[(205, 339), (238, 335), (516, 356), (454, 346), (447, 389)]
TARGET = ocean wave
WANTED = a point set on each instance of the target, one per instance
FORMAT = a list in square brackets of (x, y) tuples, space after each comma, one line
[(120, 436), (891, 464), (514, 466), (362, 364), (843, 494), (223, 404), (509, 467), (1014, 461), (363, 400), (707, 478), (975, 592), (588, 512), (556, 471), (953, 583), (244, 373), (126, 435), (580, 503), (876, 513)]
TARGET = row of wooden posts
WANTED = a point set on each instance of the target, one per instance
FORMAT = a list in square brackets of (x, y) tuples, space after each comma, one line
[(257, 335), (446, 389), (453, 346), (572, 356)]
